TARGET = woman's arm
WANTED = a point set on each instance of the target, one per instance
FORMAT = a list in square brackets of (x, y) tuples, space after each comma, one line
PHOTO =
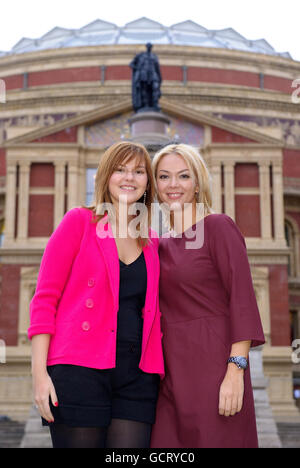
[(43, 387), (232, 388)]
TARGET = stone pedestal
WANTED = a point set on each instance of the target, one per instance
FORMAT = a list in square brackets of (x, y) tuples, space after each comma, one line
[(150, 128), (266, 427)]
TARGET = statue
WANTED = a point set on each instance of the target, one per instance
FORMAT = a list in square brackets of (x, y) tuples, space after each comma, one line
[(146, 81)]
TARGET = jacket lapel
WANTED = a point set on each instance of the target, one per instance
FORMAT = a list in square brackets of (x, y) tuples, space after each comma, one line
[(149, 260), (108, 247)]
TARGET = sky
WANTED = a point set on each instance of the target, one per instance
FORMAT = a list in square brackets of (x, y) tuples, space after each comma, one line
[(276, 21)]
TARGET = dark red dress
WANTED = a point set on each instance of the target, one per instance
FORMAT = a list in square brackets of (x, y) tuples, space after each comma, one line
[(207, 303)]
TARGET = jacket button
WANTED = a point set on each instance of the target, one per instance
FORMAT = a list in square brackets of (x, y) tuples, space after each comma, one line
[(85, 326), (89, 303), (91, 282)]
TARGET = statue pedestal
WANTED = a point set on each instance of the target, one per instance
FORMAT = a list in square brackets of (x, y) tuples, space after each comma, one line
[(150, 128)]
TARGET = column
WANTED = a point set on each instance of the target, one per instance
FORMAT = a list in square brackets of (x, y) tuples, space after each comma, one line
[(216, 187), (278, 207), (10, 211), (59, 196), (72, 185), (229, 189), (265, 200), (23, 200)]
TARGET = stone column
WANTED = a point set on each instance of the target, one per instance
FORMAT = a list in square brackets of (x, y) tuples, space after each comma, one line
[(265, 199), (10, 211), (278, 207), (216, 187), (229, 189), (72, 185), (59, 196), (23, 200)]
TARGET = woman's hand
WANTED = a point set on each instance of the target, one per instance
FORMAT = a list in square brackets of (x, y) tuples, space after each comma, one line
[(231, 391), (43, 388)]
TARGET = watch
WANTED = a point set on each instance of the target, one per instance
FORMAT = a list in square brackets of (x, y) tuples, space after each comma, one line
[(240, 361)]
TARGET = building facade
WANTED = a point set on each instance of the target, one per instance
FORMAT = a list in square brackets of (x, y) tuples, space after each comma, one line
[(68, 97)]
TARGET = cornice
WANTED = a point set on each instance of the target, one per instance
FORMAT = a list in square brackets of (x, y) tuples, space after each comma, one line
[(100, 54), (218, 97)]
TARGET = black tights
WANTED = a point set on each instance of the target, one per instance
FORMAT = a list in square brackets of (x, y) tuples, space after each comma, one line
[(121, 433)]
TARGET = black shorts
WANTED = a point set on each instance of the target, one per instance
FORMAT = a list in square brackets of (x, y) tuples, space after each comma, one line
[(90, 397)]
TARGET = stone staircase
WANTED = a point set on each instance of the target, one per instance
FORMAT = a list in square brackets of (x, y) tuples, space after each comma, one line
[(289, 434), (35, 435), (271, 435), (14, 435), (11, 432), (267, 431)]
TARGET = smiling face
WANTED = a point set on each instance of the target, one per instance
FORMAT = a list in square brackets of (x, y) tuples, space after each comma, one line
[(128, 181), (175, 182)]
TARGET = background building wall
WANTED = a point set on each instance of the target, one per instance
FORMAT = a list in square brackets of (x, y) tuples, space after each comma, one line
[(240, 95)]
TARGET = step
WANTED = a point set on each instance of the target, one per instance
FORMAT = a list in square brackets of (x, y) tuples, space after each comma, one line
[(11, 432)]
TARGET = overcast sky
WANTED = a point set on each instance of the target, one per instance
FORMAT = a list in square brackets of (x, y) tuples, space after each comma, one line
[(276, 21)]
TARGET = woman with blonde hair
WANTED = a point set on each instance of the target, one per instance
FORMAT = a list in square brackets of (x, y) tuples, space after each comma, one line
[(209, 314), (95, 322)]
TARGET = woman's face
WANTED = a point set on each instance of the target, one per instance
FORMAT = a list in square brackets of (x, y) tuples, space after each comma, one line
[(128, 182), (175, 182)]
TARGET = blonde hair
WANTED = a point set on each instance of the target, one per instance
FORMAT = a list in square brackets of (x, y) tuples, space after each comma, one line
[(113, 157), (198, 168)]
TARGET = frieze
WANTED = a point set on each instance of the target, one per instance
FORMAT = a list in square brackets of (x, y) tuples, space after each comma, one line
[(37, 120), (290, 127), (107, 132)]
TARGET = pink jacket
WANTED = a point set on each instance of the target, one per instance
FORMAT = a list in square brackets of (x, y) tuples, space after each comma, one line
[(77, 296)]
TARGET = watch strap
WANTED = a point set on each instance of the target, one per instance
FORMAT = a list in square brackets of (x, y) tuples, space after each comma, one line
[(236, 361)]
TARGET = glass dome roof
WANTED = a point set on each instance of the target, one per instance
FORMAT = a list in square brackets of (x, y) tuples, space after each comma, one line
[(140, 31)]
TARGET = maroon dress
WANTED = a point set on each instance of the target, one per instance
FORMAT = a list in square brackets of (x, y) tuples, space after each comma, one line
[(207, 303)]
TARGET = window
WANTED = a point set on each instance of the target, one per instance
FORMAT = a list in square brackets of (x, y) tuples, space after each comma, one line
[(291, 244), (1, 232), (90, 185)]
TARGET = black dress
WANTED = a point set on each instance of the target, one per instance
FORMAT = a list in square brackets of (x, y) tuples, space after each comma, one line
[(132, 294)]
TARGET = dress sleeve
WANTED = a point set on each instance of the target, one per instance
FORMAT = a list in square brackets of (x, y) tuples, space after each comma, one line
[(229, 254), (55, 267)]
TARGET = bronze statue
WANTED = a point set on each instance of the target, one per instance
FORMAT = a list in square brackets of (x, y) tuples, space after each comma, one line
[(146, 81)]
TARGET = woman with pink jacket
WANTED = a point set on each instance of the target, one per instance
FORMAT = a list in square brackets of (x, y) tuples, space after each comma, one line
[(95, 321)]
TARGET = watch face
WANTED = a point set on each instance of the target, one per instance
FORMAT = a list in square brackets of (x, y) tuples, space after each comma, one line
[(242, 362)]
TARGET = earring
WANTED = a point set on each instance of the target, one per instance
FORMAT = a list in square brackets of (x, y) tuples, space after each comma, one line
[(145, 195)]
